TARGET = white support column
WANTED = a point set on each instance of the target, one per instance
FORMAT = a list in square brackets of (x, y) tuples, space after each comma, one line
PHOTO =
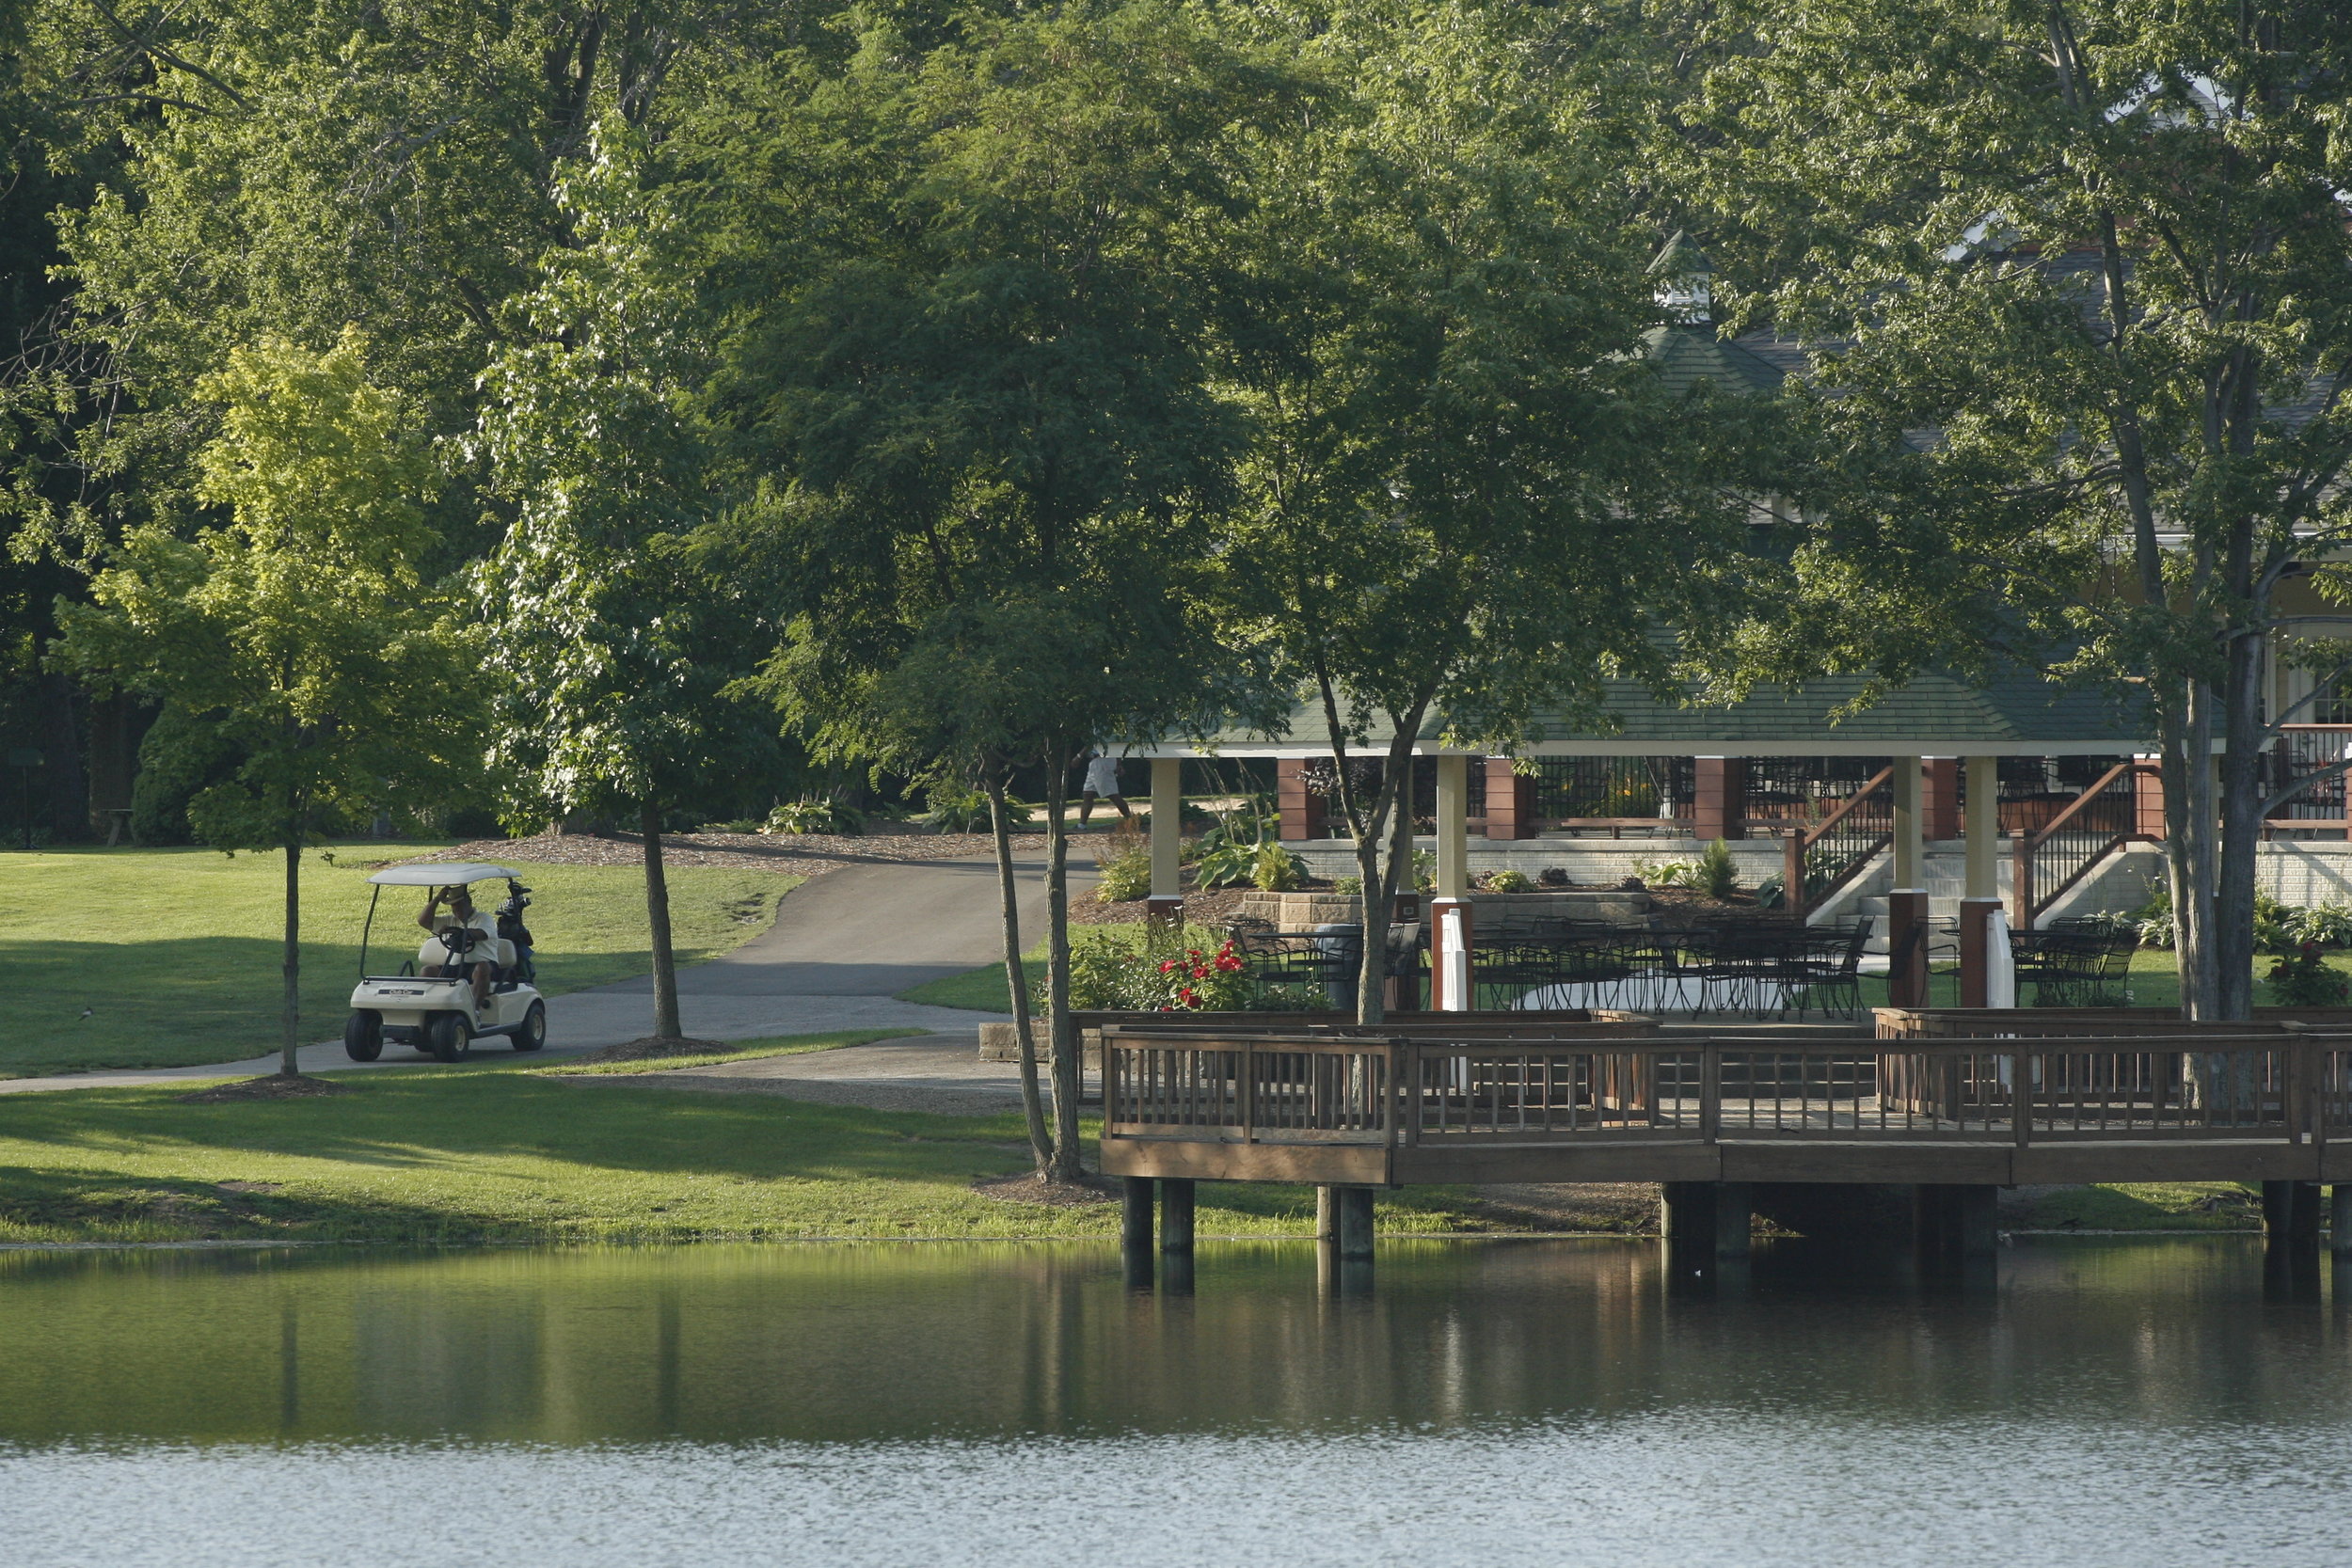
[(1980, 899), (1166, 902), (1452, 827), (1907, 904), (1982, 833), (1449, 911), (1910, 843)]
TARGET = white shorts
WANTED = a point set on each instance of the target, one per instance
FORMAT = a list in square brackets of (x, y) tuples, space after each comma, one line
[(1102, 776)]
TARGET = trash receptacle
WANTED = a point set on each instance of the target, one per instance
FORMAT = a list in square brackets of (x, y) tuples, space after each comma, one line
[(1340, 948)]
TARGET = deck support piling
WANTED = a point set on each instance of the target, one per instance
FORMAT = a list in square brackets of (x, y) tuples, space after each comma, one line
[(1135, 1231), (1176, 1197), (2290, 1241), (1327, 1215), (2290, 1214), (1706, 1222), (1958, 1225), (2340, 1222), (1355, 1223)]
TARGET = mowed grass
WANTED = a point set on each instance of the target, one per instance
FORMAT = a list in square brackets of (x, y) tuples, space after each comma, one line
[(509, 1154), (739, 1051), (175, 952), (2149, 1206), (981, 989)]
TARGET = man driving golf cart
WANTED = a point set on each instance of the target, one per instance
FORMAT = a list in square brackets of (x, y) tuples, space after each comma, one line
[(461, 913), (472, 978)]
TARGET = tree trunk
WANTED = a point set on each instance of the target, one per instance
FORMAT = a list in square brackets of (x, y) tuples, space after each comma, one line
[(2239, 811), (665, 1020), (289, 1043), (1063, 1028), (1369, 1004), (1016, 984)]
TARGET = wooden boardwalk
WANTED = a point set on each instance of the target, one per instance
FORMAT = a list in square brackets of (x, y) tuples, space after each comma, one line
[(1364, 1108)]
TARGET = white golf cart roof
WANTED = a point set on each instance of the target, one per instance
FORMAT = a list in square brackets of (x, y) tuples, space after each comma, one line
[(442, 874)]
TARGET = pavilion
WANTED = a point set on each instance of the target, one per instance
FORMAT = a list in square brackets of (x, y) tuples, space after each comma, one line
[(1941, 740)]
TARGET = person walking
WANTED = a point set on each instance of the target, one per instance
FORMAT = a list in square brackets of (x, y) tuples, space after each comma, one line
[(1101, 783)]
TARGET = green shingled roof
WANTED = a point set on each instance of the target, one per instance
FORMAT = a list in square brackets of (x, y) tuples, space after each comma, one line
[(1690, 354)]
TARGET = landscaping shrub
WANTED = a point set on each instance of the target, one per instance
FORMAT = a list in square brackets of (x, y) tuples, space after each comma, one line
[(1122, 858), (1508, 882), (954, 810), (1151, 968), (2303, 979), (815, 817), (1275, 869)]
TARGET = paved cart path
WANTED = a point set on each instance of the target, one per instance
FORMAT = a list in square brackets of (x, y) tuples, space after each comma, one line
[(842, 946)]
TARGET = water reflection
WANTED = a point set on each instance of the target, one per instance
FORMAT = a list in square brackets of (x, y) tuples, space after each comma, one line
[(857, 1343)]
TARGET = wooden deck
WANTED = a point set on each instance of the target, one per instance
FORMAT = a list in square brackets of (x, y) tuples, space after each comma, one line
[(1366, 1109)]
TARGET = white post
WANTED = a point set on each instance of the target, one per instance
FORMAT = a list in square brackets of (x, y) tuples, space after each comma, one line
[(1907, 903), (1983, 944), (1910, 846), (1982, 830), (1452, 827), (1449, 911)]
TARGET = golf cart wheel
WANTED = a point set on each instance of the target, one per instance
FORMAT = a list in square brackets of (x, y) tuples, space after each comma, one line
[(363, 1035), (533, 1034), (448, 1036)]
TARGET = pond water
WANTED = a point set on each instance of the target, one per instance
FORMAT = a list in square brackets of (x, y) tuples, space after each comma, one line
[(2107, 1402)]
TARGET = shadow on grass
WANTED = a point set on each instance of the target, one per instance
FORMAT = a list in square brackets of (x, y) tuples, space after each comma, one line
[(101, 1206), (184, 1001), (495, 1155)]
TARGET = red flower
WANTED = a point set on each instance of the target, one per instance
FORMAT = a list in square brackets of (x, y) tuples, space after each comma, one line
[(1166, 967), (1199, 972)]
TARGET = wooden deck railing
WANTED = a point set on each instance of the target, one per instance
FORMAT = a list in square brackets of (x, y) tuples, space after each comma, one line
[(1402, 1093)]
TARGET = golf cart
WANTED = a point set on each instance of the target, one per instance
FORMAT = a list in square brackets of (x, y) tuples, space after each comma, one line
[(436, 1013)]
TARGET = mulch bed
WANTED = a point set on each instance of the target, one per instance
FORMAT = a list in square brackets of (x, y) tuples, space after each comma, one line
[(648, 1048), (1213, 907), (1028, 1187), (276, 1086), (789, 854)]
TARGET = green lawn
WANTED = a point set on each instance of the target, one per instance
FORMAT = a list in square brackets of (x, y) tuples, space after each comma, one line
[(2149, 1206), (508, 1152), (741, 1051), (175, 952), (981, 990), (511, 1153)]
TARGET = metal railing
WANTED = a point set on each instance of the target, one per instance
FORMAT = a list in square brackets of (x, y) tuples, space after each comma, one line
[(1402, 1092), (2054, 857), (1833, 851), (2312, 752)]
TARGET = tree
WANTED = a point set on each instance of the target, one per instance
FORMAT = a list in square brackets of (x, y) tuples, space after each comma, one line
[(2079, 279), (1464, 496), (962, 366), (616, 638), (301, 627)]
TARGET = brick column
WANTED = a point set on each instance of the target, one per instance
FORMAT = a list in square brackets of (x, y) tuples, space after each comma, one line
[(1720, 796), (1510, 802), (1303, 813), (1939, 798), (2148, 799)]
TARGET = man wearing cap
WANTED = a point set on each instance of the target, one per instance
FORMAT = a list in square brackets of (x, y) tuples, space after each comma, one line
[(462, 913)]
